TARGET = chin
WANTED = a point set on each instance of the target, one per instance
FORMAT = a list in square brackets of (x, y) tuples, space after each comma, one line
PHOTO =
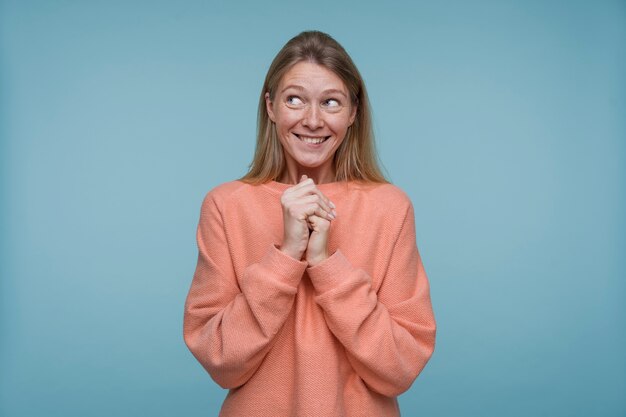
[(311, 164)]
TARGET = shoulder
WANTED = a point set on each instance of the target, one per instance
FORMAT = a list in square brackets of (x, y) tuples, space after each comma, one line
[(222, 193), (226, 189), (392, 193), (388, 194)]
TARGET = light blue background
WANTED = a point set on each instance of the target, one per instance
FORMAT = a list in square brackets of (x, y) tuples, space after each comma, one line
[(504, 121)]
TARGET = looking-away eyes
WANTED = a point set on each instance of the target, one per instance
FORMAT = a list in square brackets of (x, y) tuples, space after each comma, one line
[(330, 105)]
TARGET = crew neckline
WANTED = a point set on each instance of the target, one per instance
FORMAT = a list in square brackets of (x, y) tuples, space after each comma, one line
[(328, 188)]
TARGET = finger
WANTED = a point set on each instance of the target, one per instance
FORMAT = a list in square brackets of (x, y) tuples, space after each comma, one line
[(298, 190), (325, 202), (315, 210), (309, 223), (301, 188), (328, 215), (318, 223), (317, 200), (304, 182), (308, 187)]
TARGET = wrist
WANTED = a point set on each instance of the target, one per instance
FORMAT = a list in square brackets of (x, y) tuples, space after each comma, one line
[(295, 254), (317, 260)]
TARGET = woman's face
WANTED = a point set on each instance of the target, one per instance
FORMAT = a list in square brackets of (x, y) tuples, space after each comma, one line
[(312, 111)]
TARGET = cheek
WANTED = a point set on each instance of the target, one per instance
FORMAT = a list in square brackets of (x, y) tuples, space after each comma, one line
[(340, 125), (285, 120)]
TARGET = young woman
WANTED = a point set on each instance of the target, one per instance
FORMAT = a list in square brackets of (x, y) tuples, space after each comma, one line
[(309, 296)]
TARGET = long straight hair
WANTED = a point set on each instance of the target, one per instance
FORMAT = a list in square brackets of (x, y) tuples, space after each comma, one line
[(356, 158)]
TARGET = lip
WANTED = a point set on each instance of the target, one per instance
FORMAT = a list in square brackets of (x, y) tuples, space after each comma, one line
[(314, 145)]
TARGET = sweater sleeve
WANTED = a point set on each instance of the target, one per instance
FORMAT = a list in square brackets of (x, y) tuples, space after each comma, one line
[(389, 335), (230, 328)]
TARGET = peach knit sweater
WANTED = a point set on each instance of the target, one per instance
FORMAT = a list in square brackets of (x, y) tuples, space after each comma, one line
[(342, 338)]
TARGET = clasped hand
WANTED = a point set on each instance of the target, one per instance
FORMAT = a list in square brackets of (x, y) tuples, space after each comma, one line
[(307, 214)]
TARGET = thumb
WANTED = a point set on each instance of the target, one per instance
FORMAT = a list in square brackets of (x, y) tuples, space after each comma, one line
[(315, 222)]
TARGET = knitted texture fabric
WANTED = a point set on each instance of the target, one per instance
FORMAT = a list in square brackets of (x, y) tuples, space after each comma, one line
[(342, 338)]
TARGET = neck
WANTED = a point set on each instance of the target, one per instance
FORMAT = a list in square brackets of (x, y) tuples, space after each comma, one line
[(320, 175)]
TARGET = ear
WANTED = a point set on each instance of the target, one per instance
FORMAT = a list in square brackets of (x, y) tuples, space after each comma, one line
[(269, 107)]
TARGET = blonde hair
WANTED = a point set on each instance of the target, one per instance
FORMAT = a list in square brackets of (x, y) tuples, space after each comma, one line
[(356, 157)]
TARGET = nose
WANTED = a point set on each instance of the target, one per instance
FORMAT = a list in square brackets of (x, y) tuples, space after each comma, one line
[(313, 117)]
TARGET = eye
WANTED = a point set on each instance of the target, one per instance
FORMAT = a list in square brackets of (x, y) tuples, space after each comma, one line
[(331, 103), (294, 101)]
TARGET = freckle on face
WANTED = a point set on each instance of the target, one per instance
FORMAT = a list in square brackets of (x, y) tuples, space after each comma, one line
[(313, 86)]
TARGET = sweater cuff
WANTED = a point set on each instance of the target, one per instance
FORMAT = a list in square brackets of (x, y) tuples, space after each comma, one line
[(329, 273), (283, 266)]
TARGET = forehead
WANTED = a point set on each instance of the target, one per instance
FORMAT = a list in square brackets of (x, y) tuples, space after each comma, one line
[(310, 76)]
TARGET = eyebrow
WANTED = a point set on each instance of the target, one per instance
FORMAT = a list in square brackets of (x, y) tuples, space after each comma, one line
[(300, 88)]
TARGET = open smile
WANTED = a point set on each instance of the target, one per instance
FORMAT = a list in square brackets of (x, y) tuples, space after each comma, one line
[(312, 140)]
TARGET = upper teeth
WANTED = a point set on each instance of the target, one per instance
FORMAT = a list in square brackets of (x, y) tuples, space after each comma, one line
[(311, 140)]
